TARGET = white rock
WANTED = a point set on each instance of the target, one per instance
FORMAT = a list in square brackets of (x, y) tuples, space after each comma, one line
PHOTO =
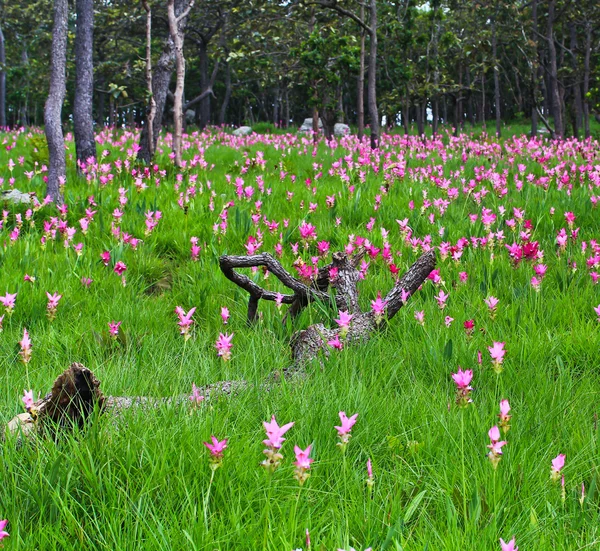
[(307, 125), (242, 131), (15, 196), (341, 129)]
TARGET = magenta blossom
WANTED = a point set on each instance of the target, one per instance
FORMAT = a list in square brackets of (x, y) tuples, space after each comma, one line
[(224, 314), (441, 298), (495, 453), (596, 309), (497, 353), (504, 416), (510, 546), (302, 464), (345, 428), (28, 399), (492, 304), (195, 397), (3, 532), (185, 321), (344, 319), (113, 328), (274, 441), (25, 345), (557, 464), (335, 343), (378, 307), (8, 301), (216, 452), (224, 345), (462, 380), (120, 268)]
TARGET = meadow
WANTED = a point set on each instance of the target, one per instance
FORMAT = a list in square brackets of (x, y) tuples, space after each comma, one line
[(514, 299)]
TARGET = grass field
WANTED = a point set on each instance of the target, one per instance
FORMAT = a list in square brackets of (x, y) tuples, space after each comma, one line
[(144, 480)]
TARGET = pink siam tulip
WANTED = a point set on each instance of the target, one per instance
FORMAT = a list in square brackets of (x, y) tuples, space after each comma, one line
[(224, 314), (25, 345), (492, 304), (113, 328), (274, 441), (504, 416), (370, 479), (497, 353), (105, 257), (597, 310), (3, 532), (420, 317), (28, 399), (335, 343), (185, 321), (469, 326), (448, 321), (216, 452), (557, 465), (344, 430), (344, 322), (8, 301), (441, 299), (52, 305), (378, 307), (510, 546), (302, 464), (495, 453), (462, 379), (224, 345), (195, 397), (86, 282)]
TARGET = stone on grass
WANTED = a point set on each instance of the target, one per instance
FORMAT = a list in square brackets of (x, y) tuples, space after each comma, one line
[(242, 131)]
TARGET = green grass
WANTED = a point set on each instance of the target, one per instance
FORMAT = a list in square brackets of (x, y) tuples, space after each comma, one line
[(141, 481)]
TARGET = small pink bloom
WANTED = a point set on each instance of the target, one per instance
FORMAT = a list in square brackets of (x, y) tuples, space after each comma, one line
[(28, 399), (345, 428), (336, 343), (497, 353), (3, 532), (224, 345), (441, 299), (420, 317), (557, 464), (25, 345), (195, 397), (448, 321), (344, 319), (120, 268), (105, 257), (113, 328), (510, 546)]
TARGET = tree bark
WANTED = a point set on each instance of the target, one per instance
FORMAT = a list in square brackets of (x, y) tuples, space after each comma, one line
[(553, 73), (53, 108), (496, 75), (576, 83), (360, 92), (83, 122), (372, 80), (227, 97), (205, 104), (586, 78), (2, 81), (151, 107)]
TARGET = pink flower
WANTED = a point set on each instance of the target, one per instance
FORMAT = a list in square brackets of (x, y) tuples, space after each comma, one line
[(224, 345), (120, 268), (510, 546), (441, 299), (3, 533), (302, 463), (462, 379), (495, 447), (86, 281), (195, 397), (504, 416), (404, 295), (378, 307), (52, 304), (224, 314), (497, 353), (336, 343), (448, 321), (274, 442), (469, 326), (344, 319), (420, 317), (105, 257), (597, 310), (557, 464), (25, 345), (216, 452), (344, 430), (370, 480), (8, 302), (185, 321), (113, 328), (463, 276), (492, 303), (28, 400)]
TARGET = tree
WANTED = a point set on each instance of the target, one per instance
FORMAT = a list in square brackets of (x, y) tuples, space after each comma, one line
[(54, 103), (85, 144)]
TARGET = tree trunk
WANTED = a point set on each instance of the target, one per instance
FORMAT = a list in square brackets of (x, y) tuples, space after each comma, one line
[(225, 104), (534, 72), (578, 108), (496, 77), (83, 122), (372, 81), (360, 91), (586, 78), (151, 107), (2, 81), (205, 104), (470, 111), (57, 171), (553, 73), (406, 114)]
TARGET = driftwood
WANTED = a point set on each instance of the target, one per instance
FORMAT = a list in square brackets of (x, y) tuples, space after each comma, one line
[(308, 343)]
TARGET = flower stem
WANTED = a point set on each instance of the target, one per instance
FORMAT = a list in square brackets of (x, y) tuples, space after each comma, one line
[(464, 478), (207, 497)]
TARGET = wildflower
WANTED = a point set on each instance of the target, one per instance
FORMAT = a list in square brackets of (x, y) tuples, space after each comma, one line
[(8, 301), (404, 296), (504, 416), (448, 321), (86, 281), (195, 397), (597, 310), (52, 305), (224, 314), (344, 320), (185, 321), (420, 317), (463, 390), (492, 303), (495, 453), (557, 464), (469, 326), (25, 345), (113, 328), (510, 546), (441, 299), (497, 353), (344, 431), (370, 480), (378, 307), (28, 400), (336, 343), (105, 257), (274, 442), (3, 532), (302, 463), (120, 268), (223, 346), (30, 279), (463, 276), (216, 452)]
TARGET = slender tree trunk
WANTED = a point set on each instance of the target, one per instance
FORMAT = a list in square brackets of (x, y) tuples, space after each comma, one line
[(483, 99), (2, 81), (553, 70), (151, 107), (496, 76), (57, 171), (578, 107), (534, 71), (286, 96), (205, 104), (227, 98), (470, 111), (83, 121), (372, 81), (360, 92), (586, 78), (406, 114)]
